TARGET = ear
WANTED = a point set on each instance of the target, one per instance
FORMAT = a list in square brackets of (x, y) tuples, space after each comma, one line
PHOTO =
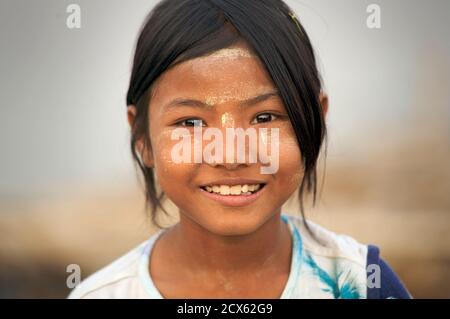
[(145, 153), (323, 98)]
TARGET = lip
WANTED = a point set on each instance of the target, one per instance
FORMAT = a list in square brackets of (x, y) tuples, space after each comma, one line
[(234, 200), (233, 181)]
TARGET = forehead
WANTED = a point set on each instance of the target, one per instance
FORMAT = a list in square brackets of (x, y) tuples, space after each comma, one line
[(233, 73)]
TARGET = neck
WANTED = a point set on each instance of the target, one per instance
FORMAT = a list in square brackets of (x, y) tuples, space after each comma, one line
[(200, 250)]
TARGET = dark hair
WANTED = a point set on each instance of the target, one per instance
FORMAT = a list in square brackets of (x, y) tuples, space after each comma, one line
[(179, 30)]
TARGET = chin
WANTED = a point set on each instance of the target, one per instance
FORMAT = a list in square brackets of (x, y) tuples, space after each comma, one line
[(235, 224)]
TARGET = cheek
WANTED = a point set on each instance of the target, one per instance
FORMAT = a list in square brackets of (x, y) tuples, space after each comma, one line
[(161, 150), (170, 175), (291, 168)]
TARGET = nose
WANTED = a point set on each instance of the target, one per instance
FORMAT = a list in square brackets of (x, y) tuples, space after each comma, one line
[(229, 166), (231, 121)]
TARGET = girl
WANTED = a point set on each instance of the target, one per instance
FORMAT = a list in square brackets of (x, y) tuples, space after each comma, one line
[(233, 64)]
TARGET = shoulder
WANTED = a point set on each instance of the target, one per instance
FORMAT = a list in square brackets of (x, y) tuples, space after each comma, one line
[(115, 280), (348, 262), (333, 265), (383, 282), (324, 243)]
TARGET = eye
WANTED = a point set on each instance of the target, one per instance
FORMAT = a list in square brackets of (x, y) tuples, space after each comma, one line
[(264, 117), (191, 122)]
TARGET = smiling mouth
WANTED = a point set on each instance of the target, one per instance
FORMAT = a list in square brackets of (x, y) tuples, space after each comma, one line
[(234, 190)]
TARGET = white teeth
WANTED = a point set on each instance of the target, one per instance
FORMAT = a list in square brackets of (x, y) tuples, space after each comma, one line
[(245, 189), (224, 190), (235, 190)]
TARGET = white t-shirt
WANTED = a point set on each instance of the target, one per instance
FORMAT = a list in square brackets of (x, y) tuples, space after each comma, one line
[(333, 268)]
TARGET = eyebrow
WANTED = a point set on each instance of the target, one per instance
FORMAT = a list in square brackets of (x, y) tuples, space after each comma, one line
[(200, 104)]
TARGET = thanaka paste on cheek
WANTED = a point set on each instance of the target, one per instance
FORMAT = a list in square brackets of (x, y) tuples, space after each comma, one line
[(290, 149), (159, 154)]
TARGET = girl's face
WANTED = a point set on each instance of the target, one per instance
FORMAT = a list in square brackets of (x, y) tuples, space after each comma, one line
[(220, 83)]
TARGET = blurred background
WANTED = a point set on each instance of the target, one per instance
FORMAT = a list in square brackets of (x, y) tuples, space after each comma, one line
[(69, 193)]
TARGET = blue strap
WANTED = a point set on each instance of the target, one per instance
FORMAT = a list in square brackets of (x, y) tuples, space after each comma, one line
[(391, 286)]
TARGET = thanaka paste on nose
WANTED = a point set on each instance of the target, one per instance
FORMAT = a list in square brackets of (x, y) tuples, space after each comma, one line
[(227, 120)]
